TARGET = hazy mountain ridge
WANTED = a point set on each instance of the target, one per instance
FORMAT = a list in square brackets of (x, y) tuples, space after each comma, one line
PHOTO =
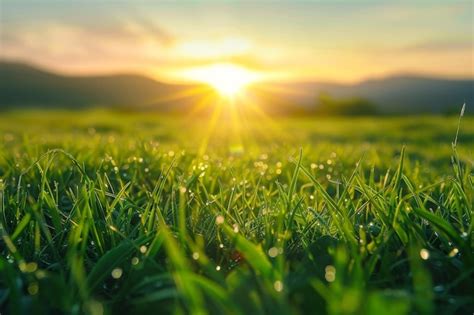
[(26, 86), (22, 85), (393, 94)]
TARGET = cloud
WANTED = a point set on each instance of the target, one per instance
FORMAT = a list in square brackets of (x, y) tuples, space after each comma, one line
[(216, 48), (441, 46), (128, 44), (129, 39)]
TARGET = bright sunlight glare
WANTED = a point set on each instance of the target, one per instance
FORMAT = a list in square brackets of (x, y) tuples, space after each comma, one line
[(227, 79)]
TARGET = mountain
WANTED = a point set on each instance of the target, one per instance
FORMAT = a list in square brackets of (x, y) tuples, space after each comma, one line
[(414, 94), (392, 95), (26, 86)]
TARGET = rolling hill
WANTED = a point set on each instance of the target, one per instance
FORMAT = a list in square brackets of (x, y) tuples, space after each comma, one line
[(26, 86), (402, 94), (23, 85)]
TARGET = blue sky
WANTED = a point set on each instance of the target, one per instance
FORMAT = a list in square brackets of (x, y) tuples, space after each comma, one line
[(320, 40)]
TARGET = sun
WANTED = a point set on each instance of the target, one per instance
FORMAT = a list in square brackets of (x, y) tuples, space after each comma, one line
[(227, 79)]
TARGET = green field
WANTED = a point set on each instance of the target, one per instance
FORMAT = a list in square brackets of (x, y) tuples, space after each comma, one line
[(116, 212)]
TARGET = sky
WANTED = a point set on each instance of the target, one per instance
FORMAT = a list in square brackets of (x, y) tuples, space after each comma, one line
[(342, 41)]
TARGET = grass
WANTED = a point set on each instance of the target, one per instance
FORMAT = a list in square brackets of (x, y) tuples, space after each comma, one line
[(105, 213)]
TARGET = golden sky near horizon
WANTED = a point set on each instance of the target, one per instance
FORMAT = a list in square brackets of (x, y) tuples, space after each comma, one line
[(343, 41)]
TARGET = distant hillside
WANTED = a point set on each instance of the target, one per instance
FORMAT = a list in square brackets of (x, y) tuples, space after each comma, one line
[(400, 94), (391, 95), (26, 86)]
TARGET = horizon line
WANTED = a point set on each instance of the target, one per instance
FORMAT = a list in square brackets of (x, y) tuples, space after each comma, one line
[(118, 72)]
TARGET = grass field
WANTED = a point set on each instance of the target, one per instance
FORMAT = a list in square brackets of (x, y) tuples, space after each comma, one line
[(107, 213)]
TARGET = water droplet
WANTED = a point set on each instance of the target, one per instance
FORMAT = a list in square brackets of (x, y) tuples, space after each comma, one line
[(31, 267), (453, 252), (273, 252), (424, 254), (236, 228), (278, 286), (438, 288), (219, 219), (117, 273), (33, 288), (330, 273)]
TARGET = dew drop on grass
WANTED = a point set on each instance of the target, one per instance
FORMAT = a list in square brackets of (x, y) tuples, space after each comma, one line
[(40, 274), (143, 249), (330, 273), (195, 255), (218, 268), (33, 288), (278, 286), (438, 288), (330, 277), (219, 219), (31, 267), (22, 266), (95, 308), (135, 261), (424, 254), (273, 252), (117, 273), (453, 252)]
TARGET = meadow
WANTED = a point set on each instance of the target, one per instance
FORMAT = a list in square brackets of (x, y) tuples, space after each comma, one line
[(137, 213)]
